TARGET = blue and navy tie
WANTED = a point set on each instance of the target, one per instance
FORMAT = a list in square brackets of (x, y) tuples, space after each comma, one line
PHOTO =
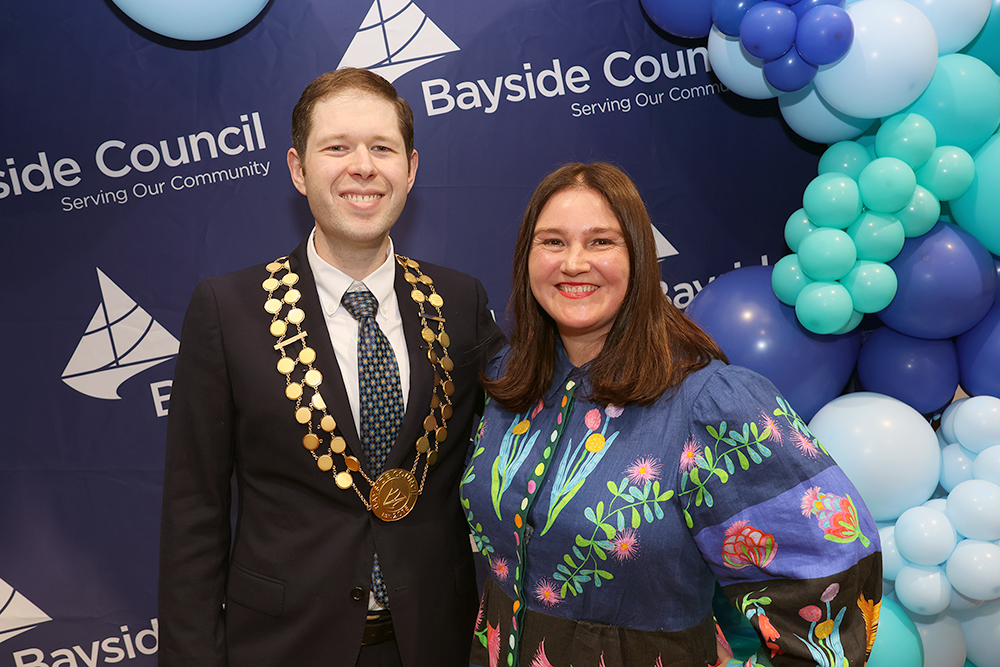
[(381, 397)]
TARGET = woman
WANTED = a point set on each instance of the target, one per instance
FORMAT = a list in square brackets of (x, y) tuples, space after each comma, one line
[(622, 468)]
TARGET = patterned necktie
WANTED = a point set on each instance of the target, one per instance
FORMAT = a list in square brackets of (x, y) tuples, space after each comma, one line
[(381, 397)]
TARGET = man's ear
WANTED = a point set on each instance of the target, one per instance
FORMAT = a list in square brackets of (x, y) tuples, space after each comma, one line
[(413, 171), (296, 170)]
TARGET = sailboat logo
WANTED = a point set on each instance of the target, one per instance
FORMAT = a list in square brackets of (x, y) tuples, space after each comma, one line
[(17, 613), (396, 37), (121, 340), (664, 248)]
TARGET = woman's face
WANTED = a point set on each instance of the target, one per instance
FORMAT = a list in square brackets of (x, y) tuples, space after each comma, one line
[(579, 266)]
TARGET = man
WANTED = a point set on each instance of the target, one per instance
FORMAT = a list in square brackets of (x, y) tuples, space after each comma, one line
[(337, 557)]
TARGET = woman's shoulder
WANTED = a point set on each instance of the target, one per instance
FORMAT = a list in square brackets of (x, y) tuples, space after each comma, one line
[(497, 366)]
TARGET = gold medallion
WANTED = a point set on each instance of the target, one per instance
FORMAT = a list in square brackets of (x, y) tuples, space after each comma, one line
[(270, 284), (393, 494), (286, 365), (310, 441)]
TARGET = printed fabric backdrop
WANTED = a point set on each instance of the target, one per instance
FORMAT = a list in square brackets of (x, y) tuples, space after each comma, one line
[(135, 165)]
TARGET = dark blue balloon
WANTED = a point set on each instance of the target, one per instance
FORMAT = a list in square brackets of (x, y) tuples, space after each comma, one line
[(739, 310), (800, 8), (727, 15), (768, 30), (789, 72), (683, 18), (946, 284), (979, 353), (920, 372), (824, 35)]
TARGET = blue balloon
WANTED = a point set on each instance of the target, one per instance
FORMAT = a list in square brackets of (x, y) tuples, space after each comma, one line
[(727, 14), (920, 372), (979, 354), (803, 6), (824, 35), (192, 20), (789, 72), (946, 284), (683, 18), (768, 30), (739, 310)]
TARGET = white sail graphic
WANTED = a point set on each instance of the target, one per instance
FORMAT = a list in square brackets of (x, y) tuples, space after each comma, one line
[(664, 248), (17, 613), (396, 37), (121, 340)]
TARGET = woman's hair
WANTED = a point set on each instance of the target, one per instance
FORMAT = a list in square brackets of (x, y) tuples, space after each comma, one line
[(651, 346)]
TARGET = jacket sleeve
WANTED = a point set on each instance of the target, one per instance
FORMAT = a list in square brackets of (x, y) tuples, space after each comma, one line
[(195, 523)]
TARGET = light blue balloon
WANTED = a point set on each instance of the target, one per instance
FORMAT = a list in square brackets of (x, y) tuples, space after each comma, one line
[(811, 117), (832, 200), (908, 137), (787, 279), (974, 510), (872, 285), (987, 465), (974, 569), (978, 210), (923, 589), (797, 227), (827, 254), (887, 184), (192, 20), (962, 101), (925, 536), (878, 237), (956, 466), (892, 560), (947, 428), (948, 173), (977, 423), (844, 157), (921, 214), (824, 307), (897, 643), (982, 635)]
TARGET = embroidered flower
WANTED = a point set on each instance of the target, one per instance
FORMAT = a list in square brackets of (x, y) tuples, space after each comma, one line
[(593, 419), (830, 592), (613, 411), (594, 443), (837, 516), (493, 643), (643, 470), (746, 545), (805, 444), (767, 630), (811, 613), (521, 427), (810, 498), (540, 658), (767, 422), (626, 544), (824, 629), (690, 454), (538, 408), (547, 593), (500, 569)]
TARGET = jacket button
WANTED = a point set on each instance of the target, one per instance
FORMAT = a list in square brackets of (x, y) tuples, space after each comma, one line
[(358, 593)]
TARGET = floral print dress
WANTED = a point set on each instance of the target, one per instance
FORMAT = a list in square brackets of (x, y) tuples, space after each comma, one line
[(606, 529)]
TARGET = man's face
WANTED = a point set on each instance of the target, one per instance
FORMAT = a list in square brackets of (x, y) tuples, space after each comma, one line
[(355, 172)]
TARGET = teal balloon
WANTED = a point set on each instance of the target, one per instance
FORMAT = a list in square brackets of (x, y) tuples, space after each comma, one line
[(852, 323), (978, 210), (897, 643), (832, 200), (921, 214), (824, 307), (872, 285), (787, 279), (962, 101), (797, 227), (877, 237), (906, 136), (986, 45), (887, 184), (827, 254), (844, 157), (948, 174)]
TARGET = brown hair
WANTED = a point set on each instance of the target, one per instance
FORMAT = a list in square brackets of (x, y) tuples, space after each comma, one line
[(651, 346), (343, 80)]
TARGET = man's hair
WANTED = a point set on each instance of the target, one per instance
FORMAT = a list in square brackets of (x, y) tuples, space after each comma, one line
[(651, 347), (348, 79)]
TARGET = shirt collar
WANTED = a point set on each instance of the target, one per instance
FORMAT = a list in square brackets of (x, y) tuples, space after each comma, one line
[(332, 283)]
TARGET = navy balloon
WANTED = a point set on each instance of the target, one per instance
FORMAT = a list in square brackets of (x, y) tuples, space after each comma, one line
[(946, 284), (768, 30), (800, 8), (920, 372), (979, 354), (789, 72), (683, 18), (727, 15), (824, 35), (739, 310)]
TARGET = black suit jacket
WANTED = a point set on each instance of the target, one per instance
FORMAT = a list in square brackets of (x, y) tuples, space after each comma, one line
[(291, 586)]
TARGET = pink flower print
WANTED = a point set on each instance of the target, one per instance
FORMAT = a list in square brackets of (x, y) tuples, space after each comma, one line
[(805, 444), (830, 592), (745, 545), (690, 454), (479, 616), (809, 500), (767, 422), (493, 643), (547, 593), (626, 544), (593, 419), (811, 613), (659, 662), (613, 411), (643, 470), (838, 517), (541, 660), (500, 569), (538, 408)]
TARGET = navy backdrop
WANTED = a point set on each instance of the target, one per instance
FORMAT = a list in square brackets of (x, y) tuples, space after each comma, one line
[(106, 227)]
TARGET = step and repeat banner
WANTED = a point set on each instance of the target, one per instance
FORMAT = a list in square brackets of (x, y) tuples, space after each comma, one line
[(140, 153)]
